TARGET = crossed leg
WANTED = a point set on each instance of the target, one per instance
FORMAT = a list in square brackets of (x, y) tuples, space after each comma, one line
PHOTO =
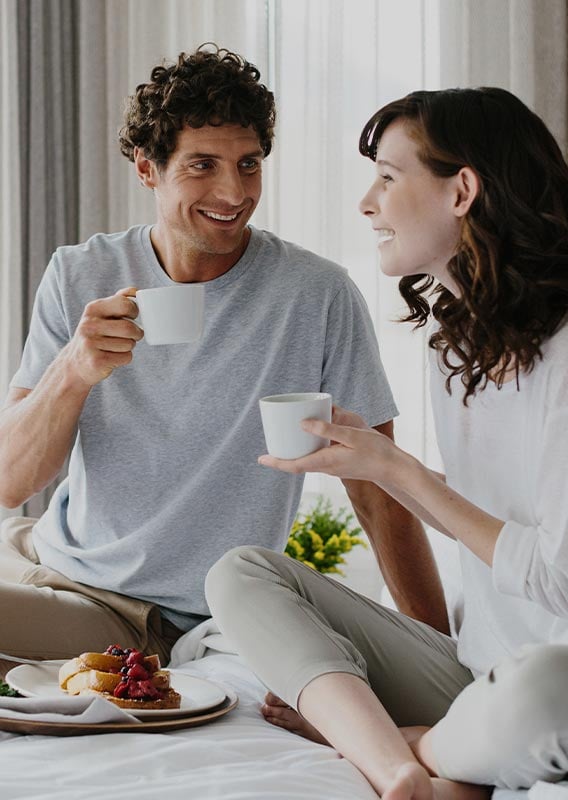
[(407, 776), (331, 654)]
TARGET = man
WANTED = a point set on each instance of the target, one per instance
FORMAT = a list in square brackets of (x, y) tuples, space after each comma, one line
[(163, 475)]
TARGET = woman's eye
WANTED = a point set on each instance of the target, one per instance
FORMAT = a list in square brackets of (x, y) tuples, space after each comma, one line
[(386, 178)]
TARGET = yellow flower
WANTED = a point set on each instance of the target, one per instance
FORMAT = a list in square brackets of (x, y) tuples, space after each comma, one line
[(357, 540), (317, 541), (311, 543), (296, 547)]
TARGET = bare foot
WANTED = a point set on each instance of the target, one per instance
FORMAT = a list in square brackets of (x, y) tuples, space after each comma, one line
[(443, 789), (278, 713), (411, 782)]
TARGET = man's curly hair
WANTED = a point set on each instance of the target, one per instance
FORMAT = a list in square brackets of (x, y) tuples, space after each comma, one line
[(511, 264), (207, 87)]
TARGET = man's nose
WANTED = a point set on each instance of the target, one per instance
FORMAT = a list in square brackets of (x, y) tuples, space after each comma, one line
[(229, 188)]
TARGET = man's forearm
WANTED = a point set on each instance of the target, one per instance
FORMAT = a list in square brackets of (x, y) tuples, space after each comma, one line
[(36, 433), (403, 553)]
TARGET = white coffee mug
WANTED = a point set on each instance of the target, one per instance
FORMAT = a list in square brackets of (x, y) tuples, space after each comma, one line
[(282, 415), (171, 314)]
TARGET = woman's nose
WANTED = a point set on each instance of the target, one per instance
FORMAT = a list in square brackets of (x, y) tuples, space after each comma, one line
[(369, 202)]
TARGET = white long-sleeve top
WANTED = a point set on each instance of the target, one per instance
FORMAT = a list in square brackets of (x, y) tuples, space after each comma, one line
[(507, 452)]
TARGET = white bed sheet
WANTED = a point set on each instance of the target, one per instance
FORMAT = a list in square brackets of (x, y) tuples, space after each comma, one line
[(237, 757)]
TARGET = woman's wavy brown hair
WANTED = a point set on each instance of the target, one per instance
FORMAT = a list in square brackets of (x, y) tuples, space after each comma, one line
[(511, 263), (207, 87)]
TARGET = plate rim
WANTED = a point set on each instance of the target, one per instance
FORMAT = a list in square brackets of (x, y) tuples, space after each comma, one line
[(41, 728), (141, 714)]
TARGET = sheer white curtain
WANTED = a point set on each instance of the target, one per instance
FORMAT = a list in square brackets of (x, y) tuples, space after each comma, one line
[(11, 322), (520, 45), (335, 64)]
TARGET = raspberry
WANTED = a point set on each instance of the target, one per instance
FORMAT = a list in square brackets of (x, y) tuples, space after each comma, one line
[(143, 689), (138, 673), (121, 689), (135, 657), (111, 647)]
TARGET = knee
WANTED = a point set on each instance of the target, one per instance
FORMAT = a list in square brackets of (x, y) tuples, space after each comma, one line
[(536, 696), (225, 583), (541, 680)]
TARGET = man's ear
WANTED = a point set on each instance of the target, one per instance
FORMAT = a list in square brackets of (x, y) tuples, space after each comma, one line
[(145, 169), (467, 189)]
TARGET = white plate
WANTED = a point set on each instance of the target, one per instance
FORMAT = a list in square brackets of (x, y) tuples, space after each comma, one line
[(197, 694)]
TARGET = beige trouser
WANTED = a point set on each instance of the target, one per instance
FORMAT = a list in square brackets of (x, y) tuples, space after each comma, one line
[(45, 615), (508, 728)]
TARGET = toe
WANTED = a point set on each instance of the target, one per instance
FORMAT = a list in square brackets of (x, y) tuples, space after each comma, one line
[(278, 712), (273, 700)]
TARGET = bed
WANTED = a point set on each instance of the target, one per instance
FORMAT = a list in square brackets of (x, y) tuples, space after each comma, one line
[(237, 757)]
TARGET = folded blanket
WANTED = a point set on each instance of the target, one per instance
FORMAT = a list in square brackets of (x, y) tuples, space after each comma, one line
[(194, 644)]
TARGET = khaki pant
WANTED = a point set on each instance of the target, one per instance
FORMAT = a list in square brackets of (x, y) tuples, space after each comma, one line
[(508, 728), (45, 615)]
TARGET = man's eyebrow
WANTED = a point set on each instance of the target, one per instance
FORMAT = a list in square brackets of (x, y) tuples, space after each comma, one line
[(202, 156), (382, 163)]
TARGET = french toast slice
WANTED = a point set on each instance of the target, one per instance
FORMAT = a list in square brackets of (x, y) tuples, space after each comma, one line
[(67, 670), (101, 662), (169, 699), (108, 663), (97, 681)]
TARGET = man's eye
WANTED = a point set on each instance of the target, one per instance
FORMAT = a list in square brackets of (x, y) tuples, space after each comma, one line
[(250, 164), (201, 165)]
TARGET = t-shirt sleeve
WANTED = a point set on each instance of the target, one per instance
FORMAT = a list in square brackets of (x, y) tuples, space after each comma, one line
[(531, 561), (353, 372), (48, 333)]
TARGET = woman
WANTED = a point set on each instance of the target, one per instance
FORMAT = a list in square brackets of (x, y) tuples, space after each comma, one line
[(470, 204)]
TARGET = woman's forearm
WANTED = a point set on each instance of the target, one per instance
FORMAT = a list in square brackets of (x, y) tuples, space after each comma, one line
[(422, 491)]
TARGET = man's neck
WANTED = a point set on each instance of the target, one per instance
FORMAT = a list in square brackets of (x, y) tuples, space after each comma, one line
[(184, 264)]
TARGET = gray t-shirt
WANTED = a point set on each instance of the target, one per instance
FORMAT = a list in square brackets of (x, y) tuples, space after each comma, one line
[(163, 477)]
